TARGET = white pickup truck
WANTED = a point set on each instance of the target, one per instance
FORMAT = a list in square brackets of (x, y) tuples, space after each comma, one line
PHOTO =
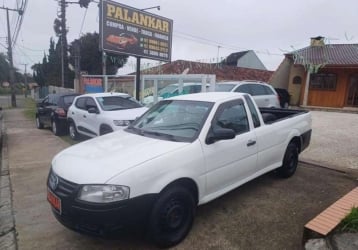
[(183, 152)]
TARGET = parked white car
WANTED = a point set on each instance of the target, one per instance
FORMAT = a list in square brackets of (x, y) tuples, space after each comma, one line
[(101, 113), (264, 94)]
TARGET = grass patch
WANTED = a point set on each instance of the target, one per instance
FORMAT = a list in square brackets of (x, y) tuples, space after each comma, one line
[(30, 113), (350, 222), (30, 108)]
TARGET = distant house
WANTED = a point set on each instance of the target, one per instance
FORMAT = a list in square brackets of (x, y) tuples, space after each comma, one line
[(244, 59), (323, 75), (222, 71)]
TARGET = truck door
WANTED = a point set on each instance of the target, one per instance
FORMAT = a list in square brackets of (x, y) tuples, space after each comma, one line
[(230, 161)]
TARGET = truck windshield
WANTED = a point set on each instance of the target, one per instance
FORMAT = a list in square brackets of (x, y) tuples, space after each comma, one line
[(177, 120)]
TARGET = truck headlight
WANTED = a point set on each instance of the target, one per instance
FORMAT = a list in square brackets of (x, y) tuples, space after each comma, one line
[(122, 123), (103, 193)]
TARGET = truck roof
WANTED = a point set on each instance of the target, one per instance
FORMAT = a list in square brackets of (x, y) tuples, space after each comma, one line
[(209, 96)]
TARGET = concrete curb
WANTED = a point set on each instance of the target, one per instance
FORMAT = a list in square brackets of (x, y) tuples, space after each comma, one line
[(349, 171), (7, 220)]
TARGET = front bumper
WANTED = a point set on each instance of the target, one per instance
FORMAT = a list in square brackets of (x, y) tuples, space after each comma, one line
[(100, 219)]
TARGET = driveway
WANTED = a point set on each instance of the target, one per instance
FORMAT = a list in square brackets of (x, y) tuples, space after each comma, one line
[(267, 213), (334, 141)]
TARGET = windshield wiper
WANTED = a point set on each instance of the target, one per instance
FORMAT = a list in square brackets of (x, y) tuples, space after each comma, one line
[(167, 136), (188, 125)]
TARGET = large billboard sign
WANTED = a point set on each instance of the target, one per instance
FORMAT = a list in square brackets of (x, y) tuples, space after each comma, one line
[(127, 30)]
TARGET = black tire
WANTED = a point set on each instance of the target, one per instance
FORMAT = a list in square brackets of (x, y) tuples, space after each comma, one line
[(73, 131), (290, 161), (56, 128), (39, 124), (172, 216), (105, 129)]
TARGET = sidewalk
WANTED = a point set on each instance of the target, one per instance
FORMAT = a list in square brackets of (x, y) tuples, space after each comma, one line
[(32, 166), (7, 224)]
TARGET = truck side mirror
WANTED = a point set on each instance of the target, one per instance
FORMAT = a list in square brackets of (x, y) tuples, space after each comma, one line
[(217, 133)]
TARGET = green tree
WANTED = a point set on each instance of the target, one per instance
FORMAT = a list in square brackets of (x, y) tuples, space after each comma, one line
[(40, 72), (91, 56), (53, 65)]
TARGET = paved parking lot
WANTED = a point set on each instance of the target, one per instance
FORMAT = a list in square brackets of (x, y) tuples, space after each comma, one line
[(267, 213)]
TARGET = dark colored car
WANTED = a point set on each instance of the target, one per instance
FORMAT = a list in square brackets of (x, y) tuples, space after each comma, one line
[(284, 97), (52, 112)]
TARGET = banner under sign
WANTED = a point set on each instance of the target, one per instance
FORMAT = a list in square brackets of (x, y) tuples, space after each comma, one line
[(127, 30)]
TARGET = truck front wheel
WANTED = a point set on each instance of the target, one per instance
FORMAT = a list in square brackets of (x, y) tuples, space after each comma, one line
[(172, 216), (290, 161)]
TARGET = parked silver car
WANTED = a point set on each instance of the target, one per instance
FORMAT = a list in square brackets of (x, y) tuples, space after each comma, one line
[(263, 93)]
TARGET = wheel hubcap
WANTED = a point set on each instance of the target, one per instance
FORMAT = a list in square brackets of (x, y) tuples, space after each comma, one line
[(174, 215)]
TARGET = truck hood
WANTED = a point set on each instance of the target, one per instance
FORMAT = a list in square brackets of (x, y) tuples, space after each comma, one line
[(97, 160)]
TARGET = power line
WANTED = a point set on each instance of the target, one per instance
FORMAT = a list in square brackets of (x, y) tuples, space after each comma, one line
[(216, 43), (27, 48), (83, 21), (24, 54), (21, 18)]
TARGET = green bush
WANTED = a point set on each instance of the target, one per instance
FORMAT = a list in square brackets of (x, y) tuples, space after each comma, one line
[(350, 222)]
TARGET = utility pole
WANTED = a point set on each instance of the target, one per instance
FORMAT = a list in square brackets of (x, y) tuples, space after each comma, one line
[(9, 52), (64, 58), (25, 79), (61, 32)]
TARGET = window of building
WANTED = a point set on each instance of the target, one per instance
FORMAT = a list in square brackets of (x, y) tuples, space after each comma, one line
[(323, 81), (297, 80)]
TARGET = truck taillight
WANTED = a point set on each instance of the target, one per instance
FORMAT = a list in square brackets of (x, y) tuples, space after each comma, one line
[(60, 112)]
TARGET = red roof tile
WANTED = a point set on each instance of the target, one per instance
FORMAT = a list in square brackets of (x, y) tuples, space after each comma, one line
[(222, 72), (330, 54)]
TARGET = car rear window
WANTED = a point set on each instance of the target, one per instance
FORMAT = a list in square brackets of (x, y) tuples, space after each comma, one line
[(224, 87), (68, 100), (258, 89)]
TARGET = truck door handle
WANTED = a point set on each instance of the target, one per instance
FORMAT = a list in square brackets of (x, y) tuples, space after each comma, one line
[(84, 116), (251, 143)]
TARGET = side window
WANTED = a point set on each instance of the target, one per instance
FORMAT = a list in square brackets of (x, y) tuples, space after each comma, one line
[(253, 111), (233, 116), (258, 89), (81, 103), (45, 101), (90, 103), (269, 90), (195, 89), (245, 88), (51, 100)]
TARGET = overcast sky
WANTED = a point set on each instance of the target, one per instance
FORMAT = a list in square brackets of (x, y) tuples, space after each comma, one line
[(203, 29)]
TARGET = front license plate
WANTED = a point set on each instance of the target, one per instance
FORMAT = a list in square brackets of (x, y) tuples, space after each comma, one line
[(54, 201)]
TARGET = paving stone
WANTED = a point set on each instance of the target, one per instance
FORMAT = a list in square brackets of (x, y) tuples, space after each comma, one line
[(8, 241), (346, 241), (316, 244)]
